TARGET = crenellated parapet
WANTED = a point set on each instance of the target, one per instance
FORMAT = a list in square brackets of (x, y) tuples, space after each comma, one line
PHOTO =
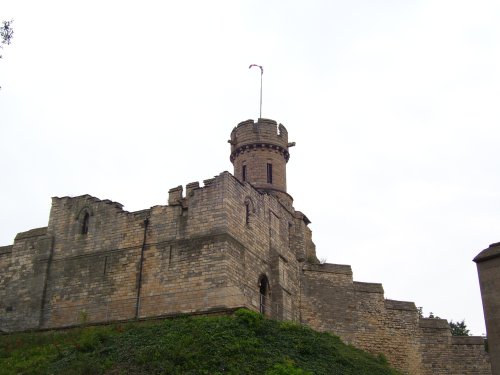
[(263, 134), (176, 196)]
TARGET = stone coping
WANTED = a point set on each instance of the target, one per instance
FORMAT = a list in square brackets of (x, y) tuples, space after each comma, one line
[(31, 233), (435, 323), (400, 305), (467, 340), (6, 249), (368, 287), (493, 251), (328, 267)]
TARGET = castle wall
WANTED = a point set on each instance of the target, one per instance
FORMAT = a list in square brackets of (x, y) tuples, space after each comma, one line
[(186, 270), (435, 346), (208, 250), (23, 271), (469, 357), (369, 310), (443, 353), (402, 335), (96, 262), (361, 316), (327, 302), (267, 243), (93, 275)]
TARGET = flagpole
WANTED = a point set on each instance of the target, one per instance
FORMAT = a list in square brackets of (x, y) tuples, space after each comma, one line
[(261, 73)]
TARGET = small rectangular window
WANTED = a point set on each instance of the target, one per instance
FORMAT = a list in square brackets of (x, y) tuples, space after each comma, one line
[(244, 173), (269, 173)]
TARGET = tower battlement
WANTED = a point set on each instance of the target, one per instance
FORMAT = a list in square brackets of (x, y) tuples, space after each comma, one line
[(259, 153), (262, 133)]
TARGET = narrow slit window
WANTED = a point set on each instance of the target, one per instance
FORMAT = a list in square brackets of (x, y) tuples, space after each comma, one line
[(269, 173), (263, 293), (244, 173), (247, 213), (85, 223)]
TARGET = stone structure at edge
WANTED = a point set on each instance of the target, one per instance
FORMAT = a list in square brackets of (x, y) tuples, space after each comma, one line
[(235, 241), (488, 268)]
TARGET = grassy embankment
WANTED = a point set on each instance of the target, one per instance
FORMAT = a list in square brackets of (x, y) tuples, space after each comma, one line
[(244, 343)]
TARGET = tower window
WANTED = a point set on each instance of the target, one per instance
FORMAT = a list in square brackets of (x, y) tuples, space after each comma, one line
[(244, 173), (269, 173), (85, 223)]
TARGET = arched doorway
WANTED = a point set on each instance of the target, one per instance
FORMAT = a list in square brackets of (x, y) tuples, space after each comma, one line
[(263, 294)]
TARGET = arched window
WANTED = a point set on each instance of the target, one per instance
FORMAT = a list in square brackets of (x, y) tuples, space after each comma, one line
[(85, 223), (83, 220), (263, 294)]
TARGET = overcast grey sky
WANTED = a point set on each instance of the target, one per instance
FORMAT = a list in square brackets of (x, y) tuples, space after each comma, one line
[(394, 106)]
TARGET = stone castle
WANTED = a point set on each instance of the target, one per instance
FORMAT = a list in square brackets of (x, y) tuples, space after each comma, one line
[(237, 241)]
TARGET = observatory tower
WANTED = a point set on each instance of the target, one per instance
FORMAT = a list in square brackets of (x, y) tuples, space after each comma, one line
[(259, 153)]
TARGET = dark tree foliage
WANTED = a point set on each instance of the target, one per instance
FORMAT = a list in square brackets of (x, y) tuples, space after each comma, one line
[(420, 311), (456, 328), (459, 328), (6, 33)]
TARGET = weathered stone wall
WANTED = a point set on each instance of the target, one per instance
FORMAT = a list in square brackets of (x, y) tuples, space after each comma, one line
[(23, 271), (93, 275), (206, 250), (468, 356), (402, 335), (359, 314), (435, 346), (96, 262), (271, 240), (443, 353), (328, 299)]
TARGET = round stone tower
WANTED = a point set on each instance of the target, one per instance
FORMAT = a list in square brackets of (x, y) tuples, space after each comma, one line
[(259, 153)]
